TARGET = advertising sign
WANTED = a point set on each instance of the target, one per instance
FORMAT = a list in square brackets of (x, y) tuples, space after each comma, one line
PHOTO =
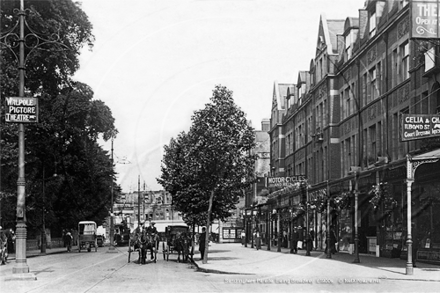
[(418, 126), (424, 19), (284, 181), (21, 110)]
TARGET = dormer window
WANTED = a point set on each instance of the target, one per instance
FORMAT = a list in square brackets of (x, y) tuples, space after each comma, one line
[(348, 41), (372, 25)]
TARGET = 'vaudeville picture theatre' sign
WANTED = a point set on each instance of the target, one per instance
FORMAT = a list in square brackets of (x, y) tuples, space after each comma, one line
[(417, 126), (425, 19), (21, 110)]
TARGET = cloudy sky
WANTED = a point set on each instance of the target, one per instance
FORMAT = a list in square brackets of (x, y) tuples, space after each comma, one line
[(156, 61)]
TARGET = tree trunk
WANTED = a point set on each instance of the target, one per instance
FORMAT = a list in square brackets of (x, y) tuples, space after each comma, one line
[(193, 242), (208, 224)]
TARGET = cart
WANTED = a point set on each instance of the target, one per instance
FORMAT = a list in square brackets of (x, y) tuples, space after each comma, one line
[(177, 239), (87, 236)]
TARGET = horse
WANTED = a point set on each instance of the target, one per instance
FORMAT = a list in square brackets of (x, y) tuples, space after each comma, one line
[(182, 243), (146, 241)]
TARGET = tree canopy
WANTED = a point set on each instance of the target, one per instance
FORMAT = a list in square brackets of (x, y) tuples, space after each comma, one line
[(62, 150), (207, 169)]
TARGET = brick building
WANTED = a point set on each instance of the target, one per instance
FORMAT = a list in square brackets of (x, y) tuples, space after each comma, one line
[(340, 126)]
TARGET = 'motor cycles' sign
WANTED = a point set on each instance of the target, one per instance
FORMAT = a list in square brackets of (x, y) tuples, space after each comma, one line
[(21, 110), (284, 181), (418, 126)]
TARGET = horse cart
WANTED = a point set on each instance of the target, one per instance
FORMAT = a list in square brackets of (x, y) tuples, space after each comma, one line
[(87, 236), (142, 242), (177, 239)]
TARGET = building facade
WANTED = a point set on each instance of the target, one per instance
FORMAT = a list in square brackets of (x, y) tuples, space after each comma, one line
[(340, 127)]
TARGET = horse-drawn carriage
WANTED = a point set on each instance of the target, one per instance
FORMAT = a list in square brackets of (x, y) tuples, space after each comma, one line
[(142, 241), (177, 239)]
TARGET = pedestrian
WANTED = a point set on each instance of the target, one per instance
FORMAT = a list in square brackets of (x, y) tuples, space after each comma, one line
[(11, 241), (312, 238), (68, 239), (295, 238), (257, 237), (202, 240), (243, 237)]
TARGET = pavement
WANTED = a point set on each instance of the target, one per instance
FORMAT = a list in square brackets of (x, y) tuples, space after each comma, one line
[(234, 258)]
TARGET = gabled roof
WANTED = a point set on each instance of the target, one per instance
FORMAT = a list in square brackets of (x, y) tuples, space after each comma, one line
[(328, 33), (279, 94)]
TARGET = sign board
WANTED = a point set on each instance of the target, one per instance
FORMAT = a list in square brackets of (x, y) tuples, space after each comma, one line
[(424, 19), (418, 126), (285, 181), (21, 110)]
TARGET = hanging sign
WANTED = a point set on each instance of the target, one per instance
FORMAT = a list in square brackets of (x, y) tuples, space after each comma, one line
[(285, 181), (424, 19), (21, 110), (418, 126)]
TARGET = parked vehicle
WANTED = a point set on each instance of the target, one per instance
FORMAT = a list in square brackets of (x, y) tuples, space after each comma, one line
[(87, 238), (100, 239)]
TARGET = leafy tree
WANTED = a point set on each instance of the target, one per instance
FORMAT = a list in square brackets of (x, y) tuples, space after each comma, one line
[(64, 142), (207, 169)]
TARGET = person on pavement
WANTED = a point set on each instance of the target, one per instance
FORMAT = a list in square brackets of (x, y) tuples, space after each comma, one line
[(295, 238), (243, 237), (257, 237), (68, 240), (202, 240)]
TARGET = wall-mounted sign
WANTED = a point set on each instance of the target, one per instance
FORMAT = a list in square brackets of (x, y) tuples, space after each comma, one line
[(418, 126), (285, 181), (21, 110), (425, 19)]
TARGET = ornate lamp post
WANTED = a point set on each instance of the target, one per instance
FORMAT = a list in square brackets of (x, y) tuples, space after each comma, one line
[(12, 40)]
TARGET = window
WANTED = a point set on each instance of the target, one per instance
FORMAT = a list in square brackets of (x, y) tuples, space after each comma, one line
[(404, 53), (394, 70), (429, 59), (372, 25), (373, 145), (348, 41), (364, 89), (373, 91)]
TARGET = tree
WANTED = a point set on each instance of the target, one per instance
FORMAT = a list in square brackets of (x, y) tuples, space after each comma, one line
[(65, 141), (207, 169)]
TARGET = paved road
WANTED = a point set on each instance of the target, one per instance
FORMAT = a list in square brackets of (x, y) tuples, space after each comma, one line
[(110, 272)]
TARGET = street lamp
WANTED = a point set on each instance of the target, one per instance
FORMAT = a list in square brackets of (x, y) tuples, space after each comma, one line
[(112, 225), (307, 223), (356, 232), (10, 40)]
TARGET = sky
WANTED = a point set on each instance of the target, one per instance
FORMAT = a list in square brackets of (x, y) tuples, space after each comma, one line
[(155, 62)]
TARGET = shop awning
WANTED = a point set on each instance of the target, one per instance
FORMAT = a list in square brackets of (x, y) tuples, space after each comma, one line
[(435, 154)]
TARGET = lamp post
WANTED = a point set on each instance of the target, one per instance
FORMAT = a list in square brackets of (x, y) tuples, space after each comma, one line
[(356, 232), (245, 227), (43, 216), (112, 224), (307, 223), (329, 252), (10, 39)]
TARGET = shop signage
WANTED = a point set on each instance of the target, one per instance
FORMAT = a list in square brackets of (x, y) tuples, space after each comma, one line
[(21, 110), (418, 126), (424, 19), (285, 181)]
